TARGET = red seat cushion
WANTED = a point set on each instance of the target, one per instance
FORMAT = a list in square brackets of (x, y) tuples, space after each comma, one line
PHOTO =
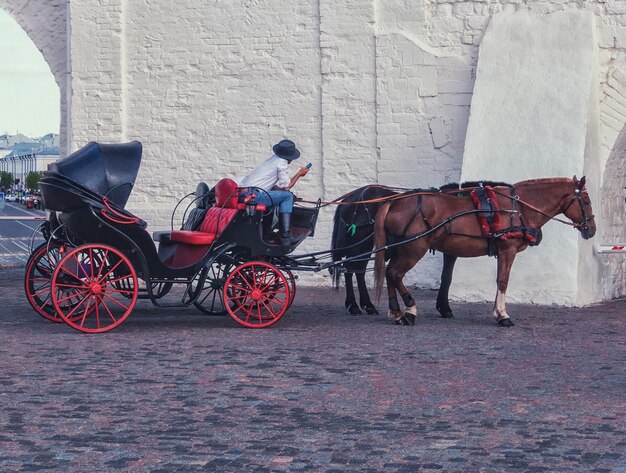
[(216, 220), (192, 238), (214, 223), (226, 193)]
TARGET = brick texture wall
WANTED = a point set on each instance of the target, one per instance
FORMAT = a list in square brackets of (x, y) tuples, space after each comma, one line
[(372, 91)]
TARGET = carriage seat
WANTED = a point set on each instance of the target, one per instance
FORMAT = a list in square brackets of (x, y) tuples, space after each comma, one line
[(204, 198), (203, 203), (216, 218)]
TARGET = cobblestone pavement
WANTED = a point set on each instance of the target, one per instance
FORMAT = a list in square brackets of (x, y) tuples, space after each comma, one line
[(175, 390)]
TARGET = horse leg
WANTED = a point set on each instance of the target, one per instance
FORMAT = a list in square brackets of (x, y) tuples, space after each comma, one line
[(396, 270), (364, 297), (505, 261), (394, 312), (443, 302), (350, 303)]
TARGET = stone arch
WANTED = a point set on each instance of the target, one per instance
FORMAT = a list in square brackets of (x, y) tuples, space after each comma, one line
[(45, 23), (614, 216), (612, 226)]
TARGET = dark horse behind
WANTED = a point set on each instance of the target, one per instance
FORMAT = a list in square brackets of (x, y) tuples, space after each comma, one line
[(450, 223), (353, 235)]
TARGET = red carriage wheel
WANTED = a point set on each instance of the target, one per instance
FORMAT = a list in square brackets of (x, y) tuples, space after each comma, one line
[(256, 294), (39, 269), (102, 283)]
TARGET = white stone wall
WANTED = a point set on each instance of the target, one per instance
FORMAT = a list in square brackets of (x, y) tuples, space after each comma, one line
[(45, 22), (373, 91), (533, 70)]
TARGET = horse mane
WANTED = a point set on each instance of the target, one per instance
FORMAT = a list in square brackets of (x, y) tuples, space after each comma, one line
[(545, 180), (419, 190), (469, 184)]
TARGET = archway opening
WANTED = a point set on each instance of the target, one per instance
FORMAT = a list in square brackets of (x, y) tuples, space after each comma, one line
[(29, 102)]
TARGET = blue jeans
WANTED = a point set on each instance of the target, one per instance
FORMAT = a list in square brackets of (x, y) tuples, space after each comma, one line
[(282, 199)]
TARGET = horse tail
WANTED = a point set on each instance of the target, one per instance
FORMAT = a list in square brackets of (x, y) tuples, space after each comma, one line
[(336, 243), (380, 240)]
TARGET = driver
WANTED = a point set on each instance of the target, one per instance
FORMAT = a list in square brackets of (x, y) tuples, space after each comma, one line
[(272, 176)]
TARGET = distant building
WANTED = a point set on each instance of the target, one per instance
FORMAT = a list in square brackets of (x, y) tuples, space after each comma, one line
[(20, 154), (9, 141), (51, 140)]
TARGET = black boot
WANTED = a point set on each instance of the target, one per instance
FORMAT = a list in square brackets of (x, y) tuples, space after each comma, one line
[(284, 220)]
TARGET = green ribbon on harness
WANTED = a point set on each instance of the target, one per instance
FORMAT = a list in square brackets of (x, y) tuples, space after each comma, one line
[(352, 229)]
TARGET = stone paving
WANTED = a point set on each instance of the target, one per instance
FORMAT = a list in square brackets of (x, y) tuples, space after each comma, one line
[(175, 390)]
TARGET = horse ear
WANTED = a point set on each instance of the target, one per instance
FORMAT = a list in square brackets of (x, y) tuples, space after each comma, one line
[(581, 183), (575, 179)]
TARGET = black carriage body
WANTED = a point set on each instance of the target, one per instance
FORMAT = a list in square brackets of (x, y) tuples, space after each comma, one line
[(232, 260), (88, 191)]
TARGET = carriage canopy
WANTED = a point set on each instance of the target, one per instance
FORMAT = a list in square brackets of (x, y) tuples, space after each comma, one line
[(106, 169)]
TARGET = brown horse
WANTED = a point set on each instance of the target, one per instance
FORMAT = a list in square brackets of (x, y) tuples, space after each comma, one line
[(449, 223)]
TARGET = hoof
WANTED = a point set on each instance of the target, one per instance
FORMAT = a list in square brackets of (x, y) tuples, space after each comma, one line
[(354, 309), (370, 310), (446, 312), (505, 323), (408, 319), (403, 321)]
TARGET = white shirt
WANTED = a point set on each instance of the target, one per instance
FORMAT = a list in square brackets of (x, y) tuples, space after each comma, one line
[(270, 173)]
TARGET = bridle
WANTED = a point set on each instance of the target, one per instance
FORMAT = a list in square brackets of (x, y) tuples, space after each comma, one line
[(577, 197), (583, 224)]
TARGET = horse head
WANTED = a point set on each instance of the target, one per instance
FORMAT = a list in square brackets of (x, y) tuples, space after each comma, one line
[(578, 209)]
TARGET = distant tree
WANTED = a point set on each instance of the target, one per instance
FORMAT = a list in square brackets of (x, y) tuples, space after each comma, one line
[(6, 179), (32, 180)]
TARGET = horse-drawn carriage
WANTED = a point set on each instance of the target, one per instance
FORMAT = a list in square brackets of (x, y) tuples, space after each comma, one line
[(98, 258)]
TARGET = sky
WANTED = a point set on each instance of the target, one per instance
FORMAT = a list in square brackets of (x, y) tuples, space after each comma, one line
[(29, 96)]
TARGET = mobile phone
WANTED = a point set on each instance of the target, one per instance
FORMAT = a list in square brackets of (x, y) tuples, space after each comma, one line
[(308, 166)]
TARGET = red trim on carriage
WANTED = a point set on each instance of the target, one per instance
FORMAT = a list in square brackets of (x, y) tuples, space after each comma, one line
[(192, 238), (186, 255)]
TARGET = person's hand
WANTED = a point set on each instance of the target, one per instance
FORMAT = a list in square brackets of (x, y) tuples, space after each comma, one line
[(303, 171)]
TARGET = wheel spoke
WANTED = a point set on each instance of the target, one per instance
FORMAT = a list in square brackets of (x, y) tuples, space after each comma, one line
[(78, 304), (72, 295), (103, 263), (73, 286), (41, 290), (44, 303), (269, 309), (120, 291), (65, 270), (98, 302), (110, 270), (106, 307), (85, 313), (104, 294)]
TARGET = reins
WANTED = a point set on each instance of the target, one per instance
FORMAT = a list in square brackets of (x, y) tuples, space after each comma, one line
[(516, 198), (338, 201)]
